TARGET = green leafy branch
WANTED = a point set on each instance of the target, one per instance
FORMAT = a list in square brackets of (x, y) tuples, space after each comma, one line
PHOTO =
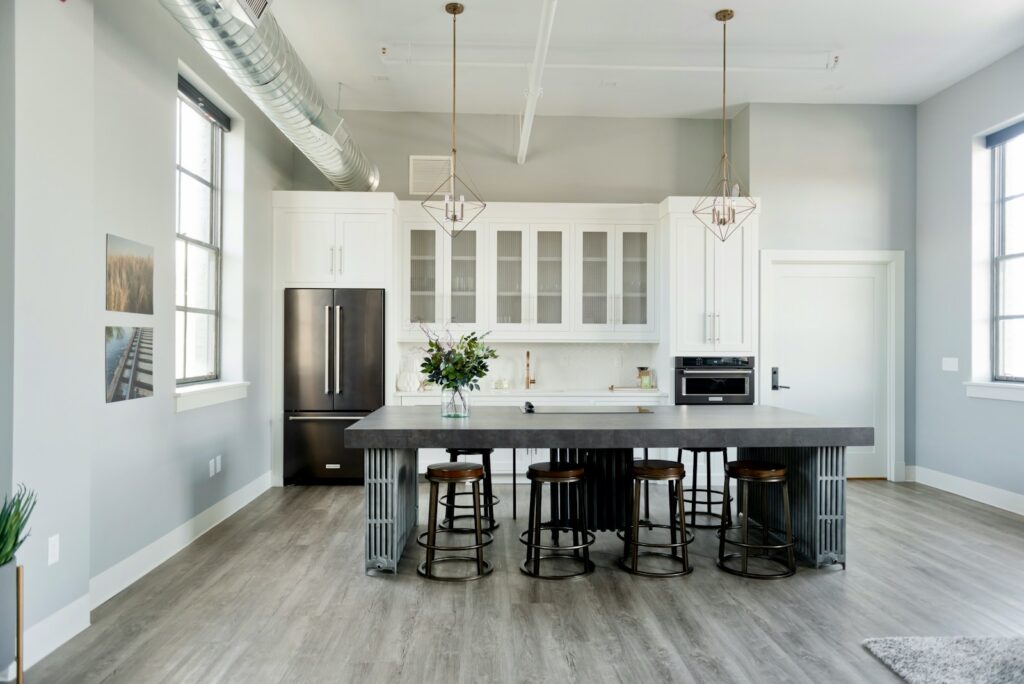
[(454, 365), (13, 522)]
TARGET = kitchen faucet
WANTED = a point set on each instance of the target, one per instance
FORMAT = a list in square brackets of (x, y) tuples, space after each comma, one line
[(529, 380)]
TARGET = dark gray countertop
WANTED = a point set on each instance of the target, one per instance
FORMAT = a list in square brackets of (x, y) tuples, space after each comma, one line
[(410, 427)]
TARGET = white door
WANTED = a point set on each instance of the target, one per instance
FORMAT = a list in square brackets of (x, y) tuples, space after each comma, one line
[(595, 275), (824, 327), (634, 294), (309, 249), (734, 270), (694, 260)]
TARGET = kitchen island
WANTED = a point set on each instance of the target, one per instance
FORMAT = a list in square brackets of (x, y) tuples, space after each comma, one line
[(812, 449)]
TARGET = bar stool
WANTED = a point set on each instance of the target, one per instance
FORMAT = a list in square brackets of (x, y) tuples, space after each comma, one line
[(450, 500), (710, 496), (747, 473), (556, 474), (645, 472), (454, 473)]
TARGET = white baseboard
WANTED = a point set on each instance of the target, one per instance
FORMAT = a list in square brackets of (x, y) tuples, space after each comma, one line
[(969, 489), (44, 637), (118, 577)]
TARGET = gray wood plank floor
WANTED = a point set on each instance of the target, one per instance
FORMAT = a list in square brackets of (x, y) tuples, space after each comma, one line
[(277, 594)]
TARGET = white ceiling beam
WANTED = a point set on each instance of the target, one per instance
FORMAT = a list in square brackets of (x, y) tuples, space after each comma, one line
[(540, 56)]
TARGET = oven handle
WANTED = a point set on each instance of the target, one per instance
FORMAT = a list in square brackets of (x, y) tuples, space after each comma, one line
[(724, 371)]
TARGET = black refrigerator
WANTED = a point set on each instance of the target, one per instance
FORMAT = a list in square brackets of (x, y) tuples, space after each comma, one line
[(333, 377)]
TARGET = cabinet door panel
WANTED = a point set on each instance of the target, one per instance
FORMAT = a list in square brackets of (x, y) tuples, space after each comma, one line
[(423, 278), (309, 246), (595, 278), (510, 277), (550, 277), (634, 260), (694, 264), (462, 293), (364, 250), (734, 270)]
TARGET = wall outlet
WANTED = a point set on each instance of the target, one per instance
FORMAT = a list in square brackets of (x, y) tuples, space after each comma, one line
[(217, 459), (950, 364), (53, 549), (213, 467)]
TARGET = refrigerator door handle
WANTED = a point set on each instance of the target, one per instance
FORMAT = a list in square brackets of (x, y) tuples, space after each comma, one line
[(338, 313), (327, 349)]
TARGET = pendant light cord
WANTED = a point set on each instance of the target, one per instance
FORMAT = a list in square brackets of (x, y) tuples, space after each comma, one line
[(724, 142), (454, 16)]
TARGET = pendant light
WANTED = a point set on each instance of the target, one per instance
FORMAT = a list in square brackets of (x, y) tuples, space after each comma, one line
[(454, 204), (724, 208)]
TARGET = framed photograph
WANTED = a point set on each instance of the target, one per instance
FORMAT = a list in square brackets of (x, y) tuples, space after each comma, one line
[(129, 276), (129, 363)]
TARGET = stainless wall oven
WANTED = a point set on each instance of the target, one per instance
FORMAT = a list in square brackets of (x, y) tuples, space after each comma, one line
[(714, 380)]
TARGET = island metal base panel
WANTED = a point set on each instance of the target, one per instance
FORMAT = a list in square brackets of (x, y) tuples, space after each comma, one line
[(817, 494), (391, 506)]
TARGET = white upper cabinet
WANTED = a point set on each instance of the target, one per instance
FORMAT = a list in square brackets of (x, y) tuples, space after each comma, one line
[(715, 289), (333, 248), (595, 278), (549, 277), (509, 264), (464, 303), (634, 259), (423, 277), (614, 280)]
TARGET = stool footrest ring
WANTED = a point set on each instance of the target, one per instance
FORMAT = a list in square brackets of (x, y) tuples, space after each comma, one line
[(488, 539), (421, 569)]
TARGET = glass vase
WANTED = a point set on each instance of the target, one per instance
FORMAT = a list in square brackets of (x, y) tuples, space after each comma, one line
[(455, 403)]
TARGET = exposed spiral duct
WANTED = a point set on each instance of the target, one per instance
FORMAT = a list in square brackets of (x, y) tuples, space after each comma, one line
[(263, 63)]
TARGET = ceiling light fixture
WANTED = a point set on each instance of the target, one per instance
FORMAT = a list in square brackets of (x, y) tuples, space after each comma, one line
[(724, 208), (448, 204)]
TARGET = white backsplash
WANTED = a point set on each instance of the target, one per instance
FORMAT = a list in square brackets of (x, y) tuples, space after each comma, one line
[(555, 366)]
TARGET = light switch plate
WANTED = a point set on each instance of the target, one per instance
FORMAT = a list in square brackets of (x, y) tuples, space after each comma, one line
[(213, 467), (217, 459), (950, 364), (53, 549)]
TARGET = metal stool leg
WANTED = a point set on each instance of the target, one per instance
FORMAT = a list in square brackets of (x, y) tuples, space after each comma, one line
[(536, 528), (707, 478), (673, 490), (573, 495), (582, 520), (478, 528), (695, 474), (790, 552), (449, 509), (431, 527), (726, 521), (492, 522), (635, 551), (514, 506), (682, 524), (745, 487), (532, 521)]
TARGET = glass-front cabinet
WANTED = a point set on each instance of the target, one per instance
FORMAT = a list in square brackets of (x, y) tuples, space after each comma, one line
[(509, 264), (550, 277), (463, 310), (424, 253), (613, 282)]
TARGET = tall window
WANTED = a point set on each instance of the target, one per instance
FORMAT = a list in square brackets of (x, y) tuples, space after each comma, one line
[(1008, 254), (201, 129)]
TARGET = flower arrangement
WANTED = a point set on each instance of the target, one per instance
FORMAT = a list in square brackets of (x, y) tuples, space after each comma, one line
[(457, 367)]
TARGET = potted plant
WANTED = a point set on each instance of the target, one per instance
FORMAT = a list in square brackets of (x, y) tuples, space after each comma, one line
[(14, 517), (456, 367)]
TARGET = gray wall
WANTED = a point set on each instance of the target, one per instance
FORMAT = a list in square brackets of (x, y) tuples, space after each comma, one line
[(840, 177), (977, 439), (6, 241), (58, 293), (571, 159), (150, 466)]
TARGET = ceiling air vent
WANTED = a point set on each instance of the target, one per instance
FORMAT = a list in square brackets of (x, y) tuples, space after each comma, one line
[(249, 11), (427, 172)]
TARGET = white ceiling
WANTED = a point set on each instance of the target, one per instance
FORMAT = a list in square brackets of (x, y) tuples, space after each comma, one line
[(646, 57)]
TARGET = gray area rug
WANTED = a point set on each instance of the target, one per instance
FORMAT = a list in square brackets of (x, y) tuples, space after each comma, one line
[(952, 660)]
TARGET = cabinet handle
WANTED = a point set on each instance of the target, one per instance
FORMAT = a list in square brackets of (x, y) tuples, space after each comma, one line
[(340, 260), (332, 260), (338, 313), (718, 328), (708, 337)]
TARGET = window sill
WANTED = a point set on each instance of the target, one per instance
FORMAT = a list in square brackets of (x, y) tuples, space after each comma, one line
[(208, 394), (1003, 391)]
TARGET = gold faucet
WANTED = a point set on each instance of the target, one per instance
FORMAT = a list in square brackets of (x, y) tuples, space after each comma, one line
[(529, 380)]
